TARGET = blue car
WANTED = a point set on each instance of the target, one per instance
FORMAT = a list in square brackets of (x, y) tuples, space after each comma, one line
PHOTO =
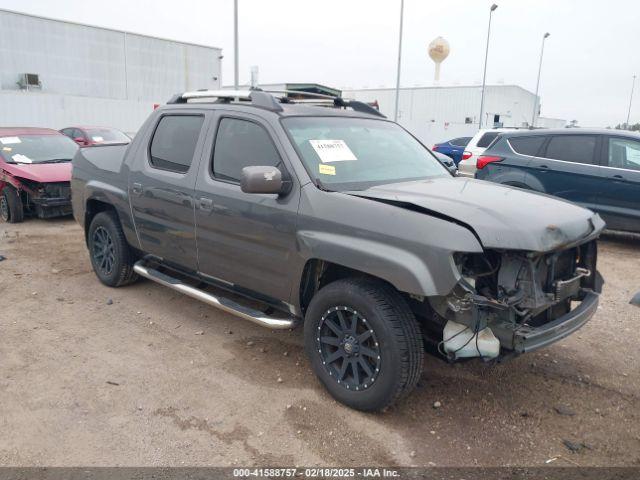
[(453, 148), (598, 169)]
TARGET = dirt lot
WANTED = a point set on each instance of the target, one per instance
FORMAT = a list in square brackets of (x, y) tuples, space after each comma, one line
[(144, 376)]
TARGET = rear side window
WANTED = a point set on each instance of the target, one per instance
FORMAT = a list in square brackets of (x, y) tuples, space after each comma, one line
[(486, 139), (239, 144), (460, 142), (572, 148), (624, 153), (527, 145), (174, 142)]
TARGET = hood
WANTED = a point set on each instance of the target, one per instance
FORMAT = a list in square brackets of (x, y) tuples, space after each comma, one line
[(502, 217), (43, 173)]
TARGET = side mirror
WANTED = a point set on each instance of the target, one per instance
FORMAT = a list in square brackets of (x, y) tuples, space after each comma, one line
[(264, 180)]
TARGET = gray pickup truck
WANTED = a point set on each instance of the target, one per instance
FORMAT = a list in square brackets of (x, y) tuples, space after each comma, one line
[(323, 213)]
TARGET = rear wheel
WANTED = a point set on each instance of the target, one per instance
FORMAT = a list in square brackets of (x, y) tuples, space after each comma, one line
[(111, 257), (11, 209), (364, 343)]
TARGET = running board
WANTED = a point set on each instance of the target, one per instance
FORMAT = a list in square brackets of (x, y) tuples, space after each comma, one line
[(224, 304)]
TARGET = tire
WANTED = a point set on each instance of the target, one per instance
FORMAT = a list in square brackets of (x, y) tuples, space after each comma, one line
[(111, 257), (393, 336), (11, 209)]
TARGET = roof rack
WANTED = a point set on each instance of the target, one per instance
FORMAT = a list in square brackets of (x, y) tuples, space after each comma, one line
[(265, 99)]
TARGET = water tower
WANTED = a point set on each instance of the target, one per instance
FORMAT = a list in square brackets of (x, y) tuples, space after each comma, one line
[(438, 51)]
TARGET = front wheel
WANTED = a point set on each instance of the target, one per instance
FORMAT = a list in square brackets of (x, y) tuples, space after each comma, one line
[(11, 209), (364, 343), (111, 257)]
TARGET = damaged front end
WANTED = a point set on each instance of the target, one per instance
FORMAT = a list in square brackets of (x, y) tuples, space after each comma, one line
[(46, 200), (515, 302)]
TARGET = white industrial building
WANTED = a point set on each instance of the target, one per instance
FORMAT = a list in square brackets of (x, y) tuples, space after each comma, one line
[(55, 73), (438, 113)]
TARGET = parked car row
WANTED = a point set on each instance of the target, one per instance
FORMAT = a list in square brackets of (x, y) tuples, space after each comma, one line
[(35, 168)]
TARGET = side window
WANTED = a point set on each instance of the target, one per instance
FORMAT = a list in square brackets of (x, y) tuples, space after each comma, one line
[(624, 153), (460, 142), (527, 145), (572, 148), (239, 144), (486, 139), (67, 132), (77, 133), (174, 142)]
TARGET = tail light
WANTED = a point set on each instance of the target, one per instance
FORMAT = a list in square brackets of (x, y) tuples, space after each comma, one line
[(485, 160), (434, 148), (466, 155)]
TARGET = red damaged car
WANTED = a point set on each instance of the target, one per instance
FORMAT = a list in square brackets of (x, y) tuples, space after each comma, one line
[(35, 173)]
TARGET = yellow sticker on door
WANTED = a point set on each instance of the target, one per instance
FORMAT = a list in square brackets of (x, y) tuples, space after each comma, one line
[(327, 169)]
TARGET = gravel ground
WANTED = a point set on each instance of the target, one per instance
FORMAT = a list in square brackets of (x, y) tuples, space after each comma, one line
[(145, 376)]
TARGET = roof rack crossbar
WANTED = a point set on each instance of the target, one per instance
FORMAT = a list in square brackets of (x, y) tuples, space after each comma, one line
[(265, 99), (257, 98)]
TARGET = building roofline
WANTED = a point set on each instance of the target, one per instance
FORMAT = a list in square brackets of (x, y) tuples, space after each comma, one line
[(71, 22), (434, 87)]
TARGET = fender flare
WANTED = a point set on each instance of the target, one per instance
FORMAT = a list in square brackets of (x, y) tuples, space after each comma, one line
[(406, 271)]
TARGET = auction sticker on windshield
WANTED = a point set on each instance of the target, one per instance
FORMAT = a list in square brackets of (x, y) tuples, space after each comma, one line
[(332, 150), (327, 169), (19, 158)]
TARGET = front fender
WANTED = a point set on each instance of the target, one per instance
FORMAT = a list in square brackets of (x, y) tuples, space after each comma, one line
[(404, 270)]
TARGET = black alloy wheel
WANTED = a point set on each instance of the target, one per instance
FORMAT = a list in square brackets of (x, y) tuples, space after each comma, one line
[(348, 347), (104, 254)]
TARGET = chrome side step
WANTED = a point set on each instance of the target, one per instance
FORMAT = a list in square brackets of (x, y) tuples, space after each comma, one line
[(225, 304)]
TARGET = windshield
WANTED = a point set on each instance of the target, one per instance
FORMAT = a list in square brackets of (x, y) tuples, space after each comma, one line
[(355, 153), (37, 148), (106, 135)]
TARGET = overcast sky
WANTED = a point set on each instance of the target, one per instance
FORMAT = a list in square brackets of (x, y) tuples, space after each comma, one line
[(589, 61)]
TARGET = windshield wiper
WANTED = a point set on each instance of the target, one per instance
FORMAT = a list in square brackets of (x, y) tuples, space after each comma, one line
[(55, 160), (320, 186)]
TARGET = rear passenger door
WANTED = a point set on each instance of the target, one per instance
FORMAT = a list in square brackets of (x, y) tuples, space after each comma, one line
[(161, 187), (620, 197), (246, 240), (568, 168)]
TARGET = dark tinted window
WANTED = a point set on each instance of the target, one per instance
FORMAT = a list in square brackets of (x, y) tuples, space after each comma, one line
[(624, 153), (487, 138), (239, 144), (460, 142), (572, 148), (527, 145), (174, 142)]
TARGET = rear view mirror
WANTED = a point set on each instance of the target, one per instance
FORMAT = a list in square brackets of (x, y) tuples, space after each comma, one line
[(263, 180)]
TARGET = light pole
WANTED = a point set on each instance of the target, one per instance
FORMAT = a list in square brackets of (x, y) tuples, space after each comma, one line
[(535, 100), (633, 84), (484, 75), (395, 114), (235, 44)]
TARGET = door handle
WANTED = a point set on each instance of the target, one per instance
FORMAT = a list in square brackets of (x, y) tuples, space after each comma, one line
[(136, 188), (618, 177), (206, 203)]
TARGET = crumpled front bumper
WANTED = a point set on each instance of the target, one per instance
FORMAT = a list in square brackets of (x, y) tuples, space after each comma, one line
[(528, 339)]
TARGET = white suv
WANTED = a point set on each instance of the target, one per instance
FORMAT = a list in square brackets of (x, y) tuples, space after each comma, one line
[(476, 147)]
